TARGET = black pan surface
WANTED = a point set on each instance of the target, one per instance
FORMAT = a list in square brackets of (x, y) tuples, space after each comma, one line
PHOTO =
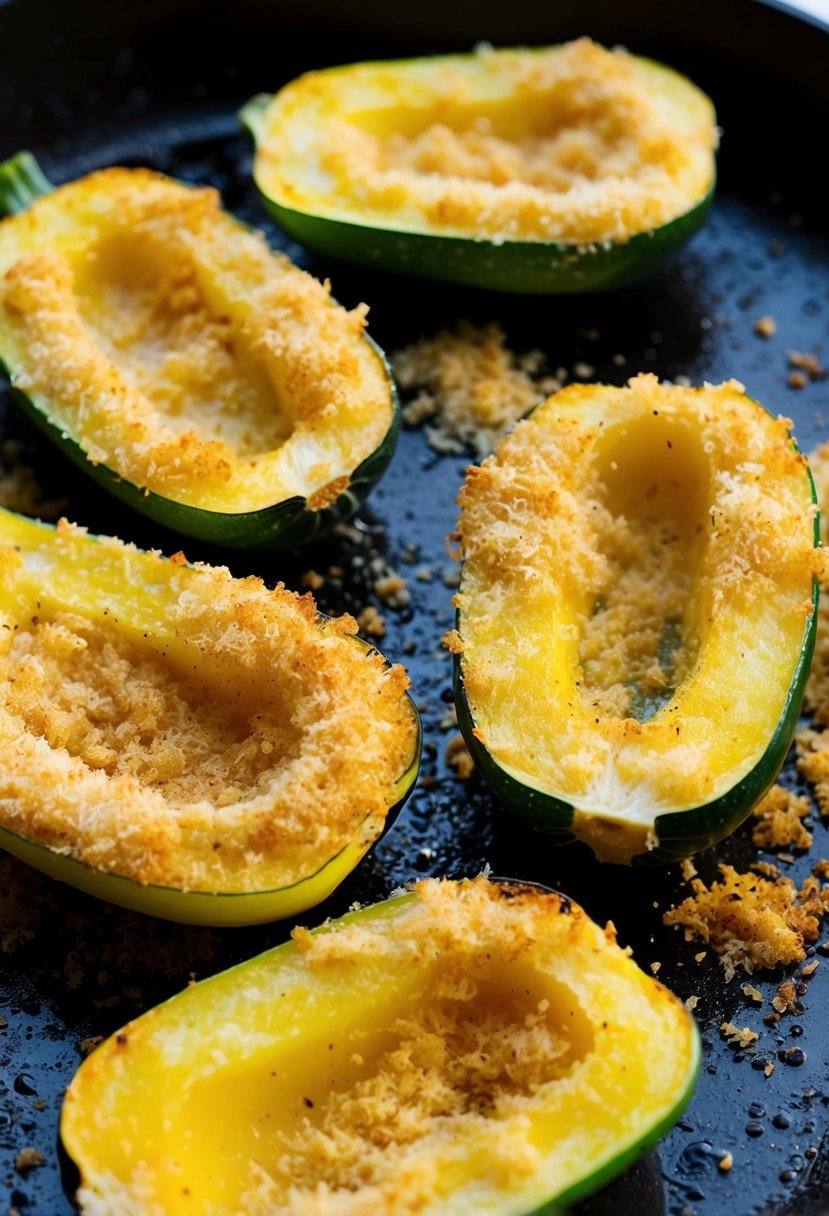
[(87, 87)]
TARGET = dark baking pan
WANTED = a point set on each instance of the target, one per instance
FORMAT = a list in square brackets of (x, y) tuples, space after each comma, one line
[(86, 85)]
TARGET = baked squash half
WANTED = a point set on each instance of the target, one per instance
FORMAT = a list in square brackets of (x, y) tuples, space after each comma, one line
[(195, 373), (185, 743), (566, 169), (468, 1047), (636, 613)]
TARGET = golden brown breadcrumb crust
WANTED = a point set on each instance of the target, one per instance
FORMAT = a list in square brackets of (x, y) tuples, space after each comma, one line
[(242, 758)]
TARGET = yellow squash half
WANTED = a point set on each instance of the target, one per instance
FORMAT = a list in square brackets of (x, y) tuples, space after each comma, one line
[(185, 743), (471, 1047), (636, 613), (195, 373)]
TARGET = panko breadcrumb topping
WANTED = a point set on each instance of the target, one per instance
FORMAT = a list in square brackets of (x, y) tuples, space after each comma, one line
[(570, 143), (238, 747), (181, 352), (751, 922)]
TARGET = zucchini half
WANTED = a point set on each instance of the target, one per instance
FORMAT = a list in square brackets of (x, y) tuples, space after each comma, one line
[(636, 614), (470, 1047), (199, 376), (565, 169), (184, 743)]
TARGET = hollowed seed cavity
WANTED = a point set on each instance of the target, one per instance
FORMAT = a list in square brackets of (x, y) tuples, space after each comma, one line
[(641, 637), (120, 706)]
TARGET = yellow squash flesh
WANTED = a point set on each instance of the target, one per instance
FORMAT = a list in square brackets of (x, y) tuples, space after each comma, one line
[(636, 612), (474, 1046), (185, 743)]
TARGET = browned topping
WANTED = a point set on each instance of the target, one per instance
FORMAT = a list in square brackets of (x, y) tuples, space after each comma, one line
[(780, 815), (750, 921), (452, 641), (765, 326), (785, 1000)]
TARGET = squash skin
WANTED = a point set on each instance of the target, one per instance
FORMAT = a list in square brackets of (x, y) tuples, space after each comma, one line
[(108, 1066), (206, 907), (677, 835), (520, 267), (286, 524)]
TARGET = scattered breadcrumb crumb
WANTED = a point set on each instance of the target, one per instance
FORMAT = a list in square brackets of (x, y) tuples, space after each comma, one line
[(798, 380), (785, 1001), (87, 1045), (765, 326), (699, 957), (458, 758), (28, 1159), (312, 580), (780, 815), (810, 968), (453, 641), (810, 364), (392, 589), (449, 721), (371, 622), (691, 1003), (753, 993), (424, 574), (736, 1037), (725, 1162), (769, 1069), (750, 921), (469, 386), (656, 967)]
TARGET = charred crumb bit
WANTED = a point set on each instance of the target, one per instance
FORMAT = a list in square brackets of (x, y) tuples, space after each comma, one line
[(656, 968), (28, 1159), (371, 622), (797, 380), (121, 1039), (725, 1162), (313, 580), (765, 326), (458, 758), (427, 781), (737, 1037), (308, 1103), (88, 1045)]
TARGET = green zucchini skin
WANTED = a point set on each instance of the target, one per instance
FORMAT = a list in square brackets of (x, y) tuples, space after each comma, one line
[(285, 524), (517, 267), (521, 268), (679, 835)]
